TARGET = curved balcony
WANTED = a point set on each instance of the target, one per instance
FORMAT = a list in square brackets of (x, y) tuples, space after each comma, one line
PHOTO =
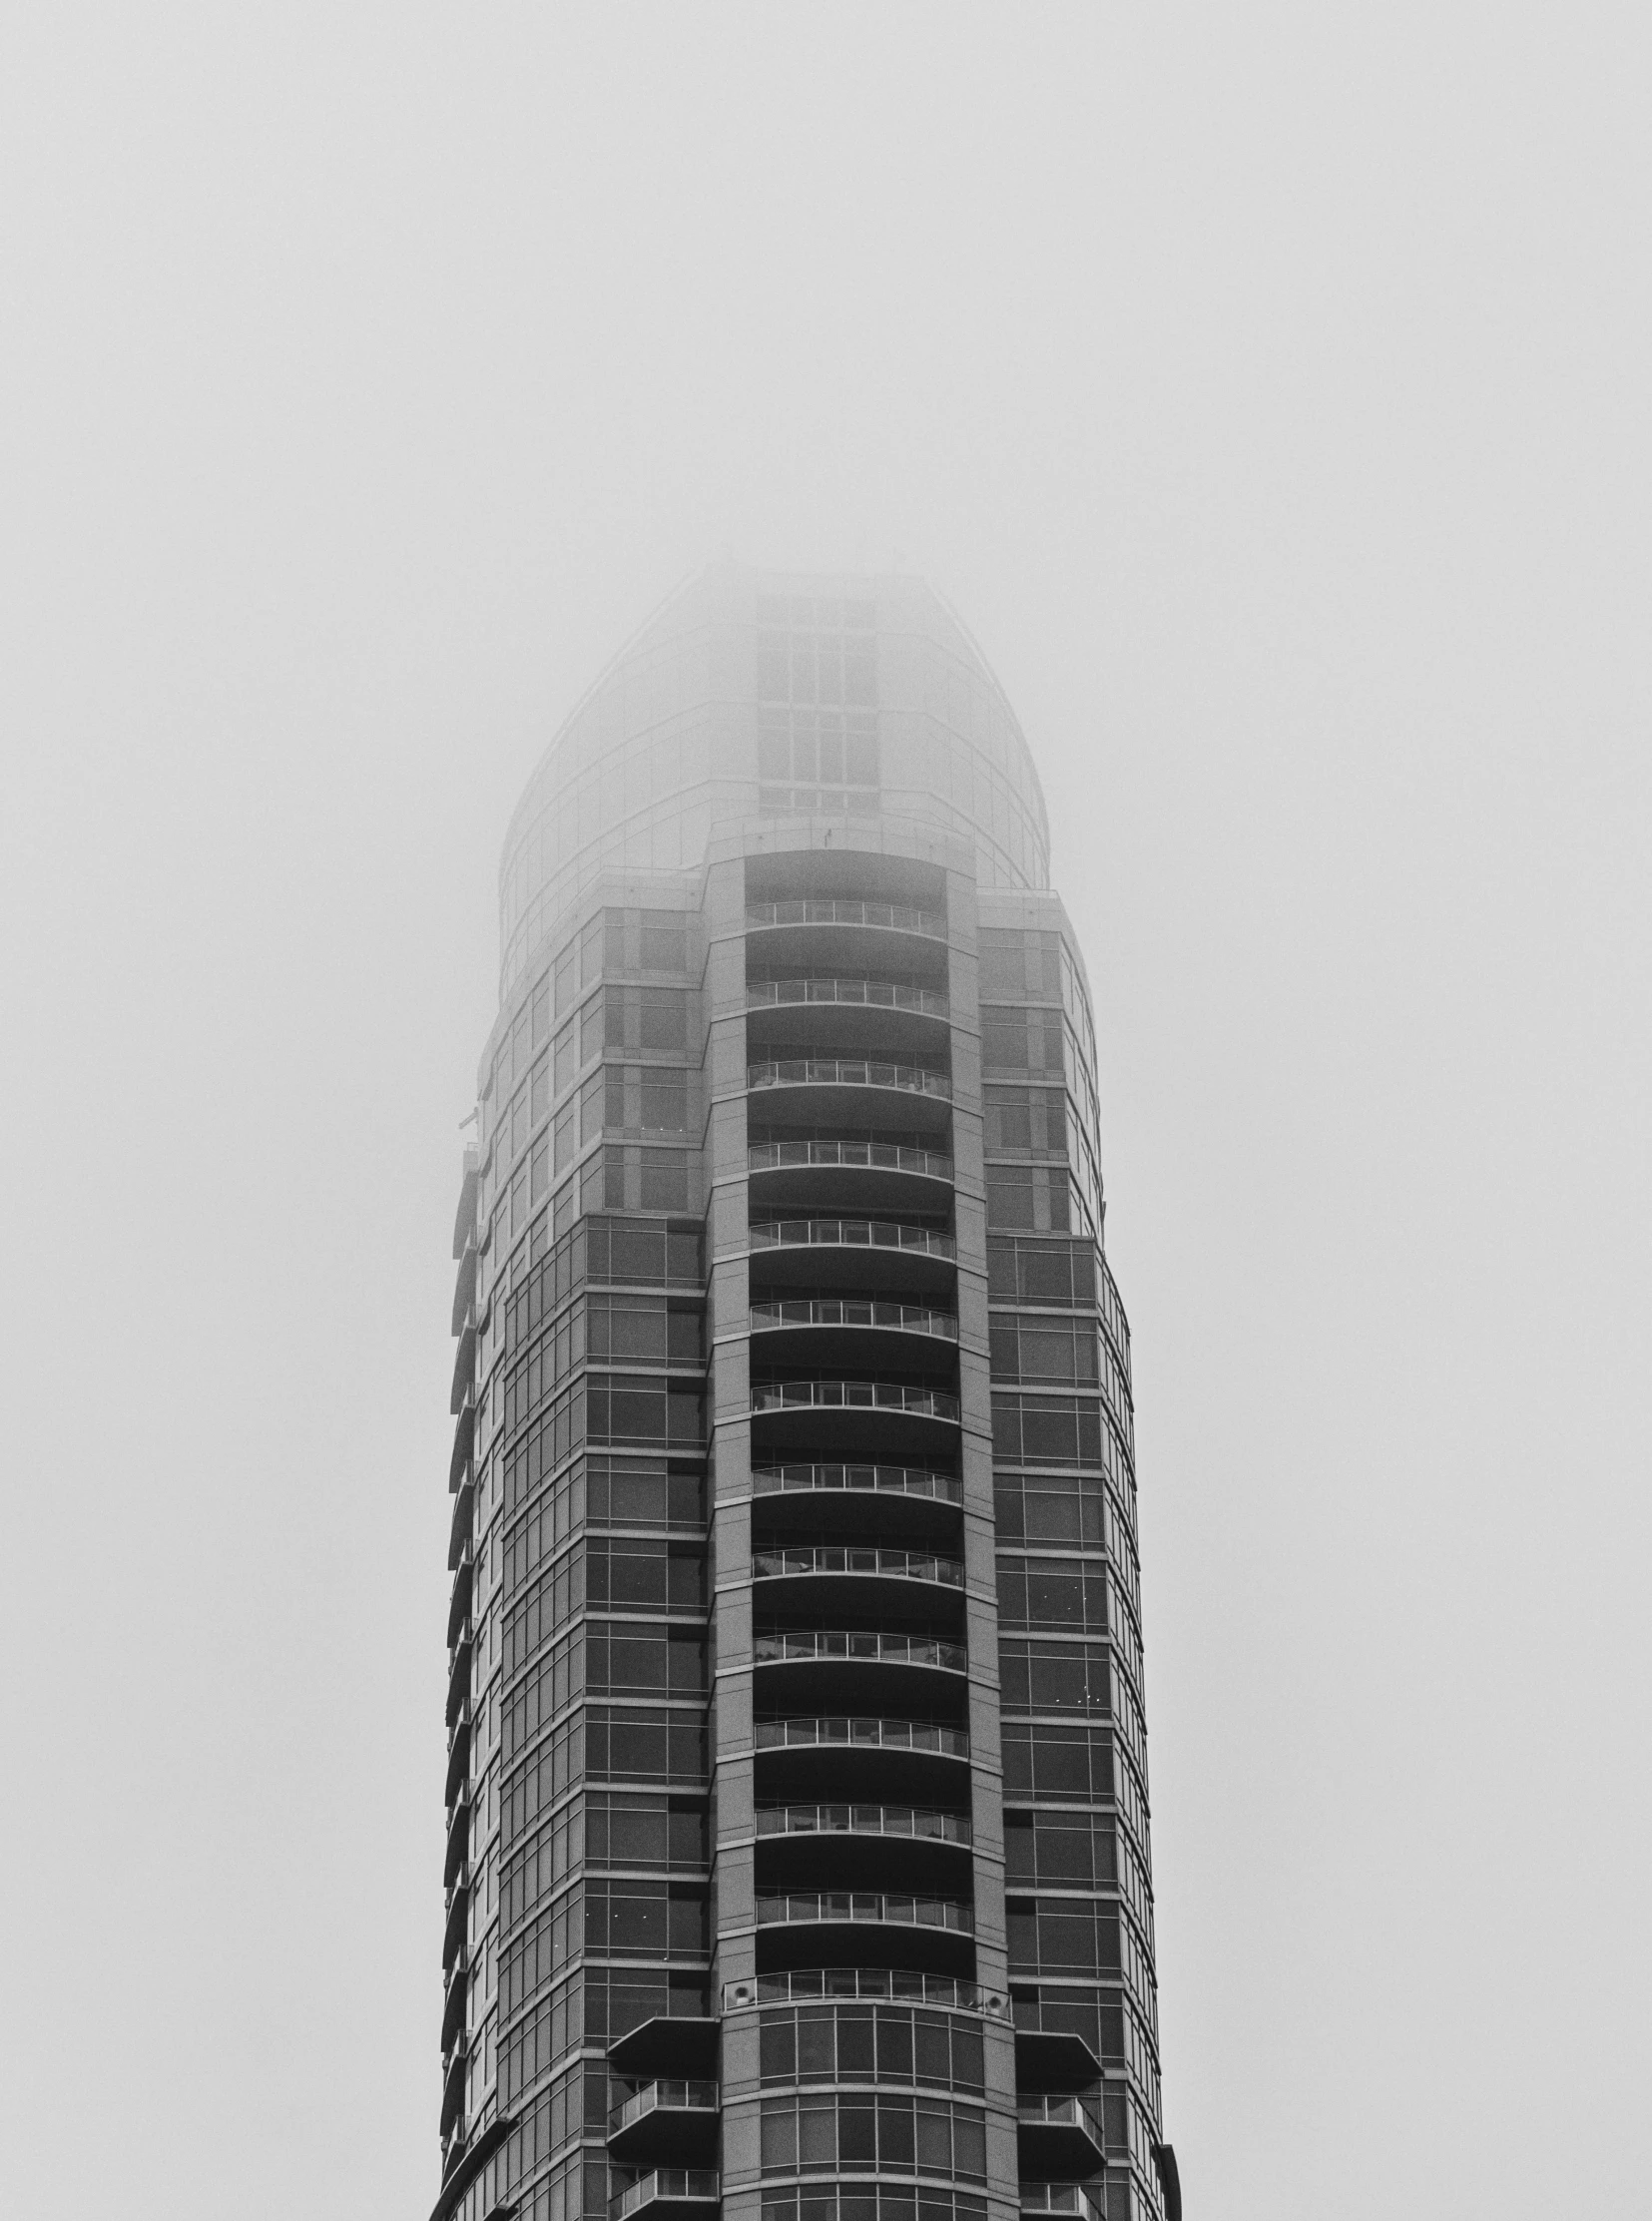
[(836, 1252), (863, 1500), (1059, 2136), (896, 916), (861, 1753), (858, 1667), (874, 1016), (666, 2190), (862, 1092), (865, 1846), (846, 1985), (829, 1170), (846, 937), (798, 1928), (858, 1577), (855, 1414), (874, 994), (840, 1329), (919, 1823), (663, 2119)]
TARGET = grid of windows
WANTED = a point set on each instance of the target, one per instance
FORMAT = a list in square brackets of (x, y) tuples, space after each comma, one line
[(838, 2133)]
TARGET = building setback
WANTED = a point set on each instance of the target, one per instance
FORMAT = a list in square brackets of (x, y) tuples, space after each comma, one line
[(798, 1849)]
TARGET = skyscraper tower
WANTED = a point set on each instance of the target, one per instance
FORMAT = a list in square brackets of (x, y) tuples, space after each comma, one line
[(797, 1826)]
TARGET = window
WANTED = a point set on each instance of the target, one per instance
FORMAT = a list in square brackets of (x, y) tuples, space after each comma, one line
[(1051, 1592), (1045, 1430), (664, 941), (1055, 1677), (829, 2133), (1048, 1760), (885, 2044)]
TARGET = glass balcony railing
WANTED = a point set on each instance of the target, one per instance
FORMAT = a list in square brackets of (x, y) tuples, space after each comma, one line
[(906, 1480), (863, 1819), (832, 1558), (854, 1395), (807, 1982), (1060, 2197), (897, 915), (805, 1645), (841, 1071), (854, 1310), (1058, 2111), (874, 994), (875, 1234), (876, 1906), (674, 2184), (863, 1733), (657, 2097), (872, 1156)]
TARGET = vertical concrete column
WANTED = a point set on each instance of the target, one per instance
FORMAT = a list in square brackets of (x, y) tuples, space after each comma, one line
[(732, 1907), (979, 1531)]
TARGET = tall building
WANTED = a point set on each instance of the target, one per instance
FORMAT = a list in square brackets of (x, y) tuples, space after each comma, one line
[(798, 1822)]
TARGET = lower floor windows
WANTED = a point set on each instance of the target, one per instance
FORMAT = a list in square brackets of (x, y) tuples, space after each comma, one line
[(869, 2202)]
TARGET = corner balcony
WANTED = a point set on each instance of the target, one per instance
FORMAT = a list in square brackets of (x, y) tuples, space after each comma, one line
[(1071, 2200), (865, 1846), (667, 2048), (861, 1755), (858, 1091), (843, 1578), (1058, 2136), (848, 937), (834, 1174), (667, 2191), (861, 1499), (1048, 2055), (853, 1253), (854, 1415), (863, 1016), (858, 1926), (666, 2119), (859, 1667)]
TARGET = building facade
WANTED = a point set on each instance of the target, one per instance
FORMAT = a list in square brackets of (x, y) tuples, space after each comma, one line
[(797, 1854)]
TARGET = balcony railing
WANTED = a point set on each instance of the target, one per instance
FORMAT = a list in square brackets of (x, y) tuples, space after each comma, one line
[(1057, 2111), (676, 2098), (875, 994), (835, 1557), (863, 1819), (866, 1905), (854, 1310), (854, 1395), (863, 1981), (895, 914), (862, 1733), (874, 1234), (872, 1156), (906, 1480), (842, 1071), (1059, 2197), (675, 2183), (806, 1645)]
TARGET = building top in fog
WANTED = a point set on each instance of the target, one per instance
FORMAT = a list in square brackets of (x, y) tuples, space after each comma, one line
[(754, 694)]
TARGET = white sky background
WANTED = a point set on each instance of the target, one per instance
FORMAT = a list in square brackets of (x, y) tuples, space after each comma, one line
[(1268, 389)]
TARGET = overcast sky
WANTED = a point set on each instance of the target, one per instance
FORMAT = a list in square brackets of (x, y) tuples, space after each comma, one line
[(1268, 387)]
